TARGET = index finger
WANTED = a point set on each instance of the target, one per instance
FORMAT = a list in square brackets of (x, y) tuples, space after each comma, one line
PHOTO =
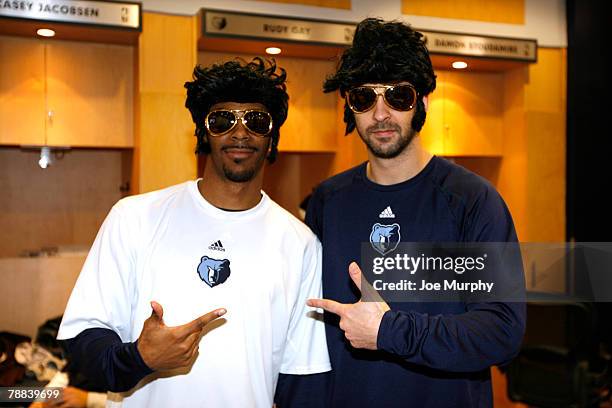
[(326, 304), (198, 324)]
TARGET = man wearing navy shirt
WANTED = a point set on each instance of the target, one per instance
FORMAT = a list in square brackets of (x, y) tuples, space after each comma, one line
[(405, 354)]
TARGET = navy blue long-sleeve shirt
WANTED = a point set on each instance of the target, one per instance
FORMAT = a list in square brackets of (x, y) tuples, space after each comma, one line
[(108, 363), (430, 354)]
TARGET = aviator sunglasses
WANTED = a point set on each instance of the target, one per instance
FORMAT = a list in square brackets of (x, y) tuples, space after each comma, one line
[(401, 97), (222, 121)]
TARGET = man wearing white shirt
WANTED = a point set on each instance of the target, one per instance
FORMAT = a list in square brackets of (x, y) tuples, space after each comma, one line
[(194, 295)]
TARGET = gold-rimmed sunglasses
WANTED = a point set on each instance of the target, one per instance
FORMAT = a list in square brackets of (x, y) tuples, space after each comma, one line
[(221, 121), (401, 97)]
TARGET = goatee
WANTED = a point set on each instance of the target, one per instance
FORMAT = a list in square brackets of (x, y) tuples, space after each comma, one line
[(390, 151), (239, 176)]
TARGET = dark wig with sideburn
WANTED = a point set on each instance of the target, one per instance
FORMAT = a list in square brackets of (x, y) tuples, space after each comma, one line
[(384, 52), (241, 82)]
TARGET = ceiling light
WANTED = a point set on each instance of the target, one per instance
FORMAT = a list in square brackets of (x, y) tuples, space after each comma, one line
[(273, 50), (459, 65), (45, 32)]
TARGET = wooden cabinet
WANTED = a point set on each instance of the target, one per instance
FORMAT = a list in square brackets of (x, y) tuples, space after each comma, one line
[(22, 92), (473, 113), (62, 93), (432, 134), (465, 115), (311, 123), (35, 289), (90, 94)]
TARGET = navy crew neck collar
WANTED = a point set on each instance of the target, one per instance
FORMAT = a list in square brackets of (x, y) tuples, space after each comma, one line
[(398, 186)]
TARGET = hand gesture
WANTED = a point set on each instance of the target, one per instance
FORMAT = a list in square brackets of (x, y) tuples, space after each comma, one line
[(359, 321), (165, 348)]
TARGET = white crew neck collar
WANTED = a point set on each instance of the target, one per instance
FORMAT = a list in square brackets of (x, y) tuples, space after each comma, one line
[(220, 213)]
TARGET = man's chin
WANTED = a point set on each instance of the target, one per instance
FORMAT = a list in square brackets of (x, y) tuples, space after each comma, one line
[(239, 176), (390, 149), (387, 151), (385, 154)]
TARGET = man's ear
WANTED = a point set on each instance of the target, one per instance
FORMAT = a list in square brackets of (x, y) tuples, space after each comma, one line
[(426, 102)]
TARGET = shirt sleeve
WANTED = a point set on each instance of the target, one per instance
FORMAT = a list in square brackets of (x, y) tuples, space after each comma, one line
[(486, 334), (303, 391), (96, 326), (306, 346), (105, 361), (103, 293)]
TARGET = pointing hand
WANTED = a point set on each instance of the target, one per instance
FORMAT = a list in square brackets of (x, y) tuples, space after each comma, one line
[(360, 321), (163, 347)]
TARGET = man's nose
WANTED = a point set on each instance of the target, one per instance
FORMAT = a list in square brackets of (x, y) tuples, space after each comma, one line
[(240, 131), (381, 110)]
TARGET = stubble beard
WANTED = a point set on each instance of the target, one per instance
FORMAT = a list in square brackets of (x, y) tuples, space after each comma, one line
[(392, 150), (238, 176), (245, 175)]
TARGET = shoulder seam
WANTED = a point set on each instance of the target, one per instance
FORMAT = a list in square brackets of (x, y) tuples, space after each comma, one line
[(447, 194)]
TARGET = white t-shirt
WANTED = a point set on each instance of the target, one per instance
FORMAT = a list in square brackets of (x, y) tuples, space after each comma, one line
[(174, 247)]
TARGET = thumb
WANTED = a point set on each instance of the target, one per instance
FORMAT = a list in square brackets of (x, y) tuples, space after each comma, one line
[(355, 274), (368, 293), (157, 311)]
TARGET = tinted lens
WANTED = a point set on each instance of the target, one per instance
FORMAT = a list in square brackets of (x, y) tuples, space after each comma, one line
[(401, 97), (361, 99), (258, 122), (220, 121)]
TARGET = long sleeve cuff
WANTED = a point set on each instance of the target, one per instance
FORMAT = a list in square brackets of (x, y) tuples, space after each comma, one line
[(392, 333), (130, 367), (105, 361)]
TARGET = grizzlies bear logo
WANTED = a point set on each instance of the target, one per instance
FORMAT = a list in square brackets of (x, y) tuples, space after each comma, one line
[(214, 271), (385, 238)]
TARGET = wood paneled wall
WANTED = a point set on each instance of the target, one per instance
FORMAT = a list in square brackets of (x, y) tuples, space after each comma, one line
[(496, 11), (64, 204), (65, 93), (293, 176), (465, 114), (532, 174), (22, 87), (164, 145), (90, 90), (35, 290), (545, 98)]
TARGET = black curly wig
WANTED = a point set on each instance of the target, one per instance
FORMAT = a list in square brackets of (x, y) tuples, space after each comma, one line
[(384, 52), (241, 82)]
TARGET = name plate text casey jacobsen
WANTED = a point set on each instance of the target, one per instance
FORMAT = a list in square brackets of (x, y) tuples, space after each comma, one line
[(126, 15)]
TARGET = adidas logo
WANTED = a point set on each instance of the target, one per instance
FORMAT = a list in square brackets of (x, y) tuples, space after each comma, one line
[(217, 246), (387, 213)]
